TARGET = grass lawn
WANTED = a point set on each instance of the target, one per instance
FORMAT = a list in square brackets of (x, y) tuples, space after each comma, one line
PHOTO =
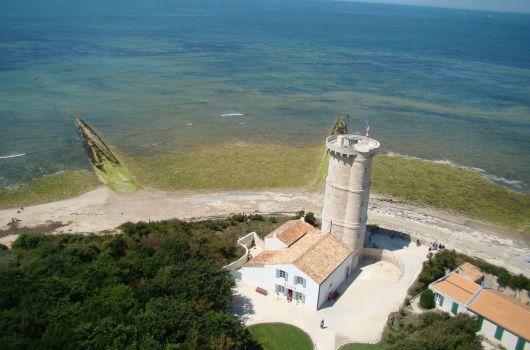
[(51, 188), (378, 346), (280, 336)]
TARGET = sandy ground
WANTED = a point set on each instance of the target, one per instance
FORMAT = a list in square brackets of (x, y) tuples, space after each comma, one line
[(369, 295), (103, 209)]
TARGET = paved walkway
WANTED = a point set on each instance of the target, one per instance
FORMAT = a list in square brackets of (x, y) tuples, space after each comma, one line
[(375, 290)]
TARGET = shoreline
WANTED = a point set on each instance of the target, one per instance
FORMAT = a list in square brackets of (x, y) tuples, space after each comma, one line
[(104, 210), (518, 186)]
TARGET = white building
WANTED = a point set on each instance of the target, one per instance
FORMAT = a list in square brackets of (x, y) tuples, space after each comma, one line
[(300, 264), (303, 264), (502, 320)]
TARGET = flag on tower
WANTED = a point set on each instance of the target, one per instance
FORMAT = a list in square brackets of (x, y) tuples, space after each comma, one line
[(367, 130)]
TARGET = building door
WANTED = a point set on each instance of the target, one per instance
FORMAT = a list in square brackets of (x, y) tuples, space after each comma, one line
[(290, 294)]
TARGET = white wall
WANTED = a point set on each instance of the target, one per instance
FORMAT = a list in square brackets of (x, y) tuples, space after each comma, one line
[(246, 242), (508, 340), (273, 243), (265, 277), (249, 238), (448, 303), (334, 281)]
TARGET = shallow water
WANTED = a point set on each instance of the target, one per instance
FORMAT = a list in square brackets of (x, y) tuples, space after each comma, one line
[(163, 76)]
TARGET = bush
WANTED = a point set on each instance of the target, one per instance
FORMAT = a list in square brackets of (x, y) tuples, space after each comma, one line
[(427, 299), (448, 260), (434, 331), (309, 217)]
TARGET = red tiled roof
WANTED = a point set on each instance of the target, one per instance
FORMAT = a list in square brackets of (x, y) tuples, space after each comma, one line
[(291, 231), (316, 254), (457, 287), (503, 311)]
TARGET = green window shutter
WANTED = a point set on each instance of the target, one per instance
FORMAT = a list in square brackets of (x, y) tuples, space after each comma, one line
[(304, 283), (286, 276), (277, 273), (454, 308), (441, 300), (498, 332), (303, 300), (480, 322), (520, 344)]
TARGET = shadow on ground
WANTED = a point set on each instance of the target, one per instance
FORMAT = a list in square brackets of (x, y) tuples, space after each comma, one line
[(383, 238), (242, 307)]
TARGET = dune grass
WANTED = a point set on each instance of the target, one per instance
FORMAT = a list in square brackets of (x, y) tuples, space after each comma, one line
[(228, 167), (59, 186), (280, 336), (453, 189)]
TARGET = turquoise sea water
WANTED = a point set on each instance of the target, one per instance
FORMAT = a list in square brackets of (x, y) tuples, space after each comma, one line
[(155, 76)]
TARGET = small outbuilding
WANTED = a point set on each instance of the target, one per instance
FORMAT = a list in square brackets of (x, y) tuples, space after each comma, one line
[(502, 320)]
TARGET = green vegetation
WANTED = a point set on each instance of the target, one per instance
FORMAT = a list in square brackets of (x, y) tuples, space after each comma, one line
[(63, 185), (228, 167), (323, 170), (233, 167), (309, 217), (427, 299), (428, 331), (457, 190), (156, 286), (359, 346), (340, 126), (432, 331), (108, 168), (280, 336), (436, 267)]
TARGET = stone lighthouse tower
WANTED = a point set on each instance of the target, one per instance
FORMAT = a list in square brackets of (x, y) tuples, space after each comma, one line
[(348, 189)]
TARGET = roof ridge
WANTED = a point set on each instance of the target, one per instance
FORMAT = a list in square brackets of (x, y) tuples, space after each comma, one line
[(463, 279), (283, 227), (311, 247), (474, 297), (508, 299)]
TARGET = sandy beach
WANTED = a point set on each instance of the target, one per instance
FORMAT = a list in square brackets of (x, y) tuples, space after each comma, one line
[(104, 210)]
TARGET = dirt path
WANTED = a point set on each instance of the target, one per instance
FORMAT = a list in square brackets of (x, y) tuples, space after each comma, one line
[(103, 209)]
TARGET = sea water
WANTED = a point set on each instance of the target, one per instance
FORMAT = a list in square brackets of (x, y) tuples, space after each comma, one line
[(160, 76)]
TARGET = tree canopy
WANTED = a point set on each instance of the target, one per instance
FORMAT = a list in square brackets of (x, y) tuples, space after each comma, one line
[(156, 286)]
